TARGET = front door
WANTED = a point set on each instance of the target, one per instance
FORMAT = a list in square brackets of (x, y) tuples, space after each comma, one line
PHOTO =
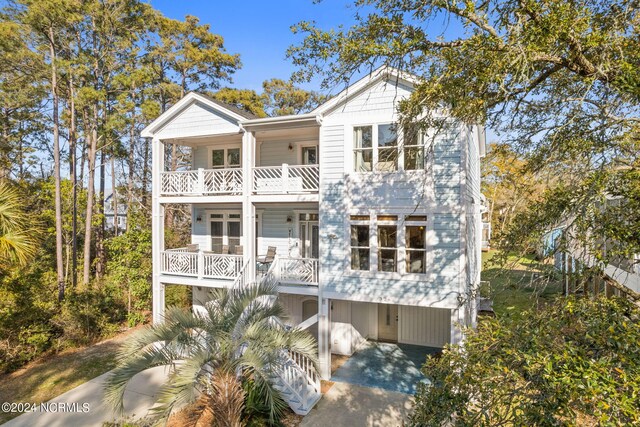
[(387, 322)]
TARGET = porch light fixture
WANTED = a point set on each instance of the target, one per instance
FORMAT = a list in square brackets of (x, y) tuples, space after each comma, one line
[(199, 218), (289, 219), (290, 147)]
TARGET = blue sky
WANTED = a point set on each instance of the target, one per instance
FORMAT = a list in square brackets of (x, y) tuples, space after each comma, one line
[(259, 30)]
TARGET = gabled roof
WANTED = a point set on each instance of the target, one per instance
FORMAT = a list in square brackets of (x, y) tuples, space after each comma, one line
[(192, 97), (244, 118), (381, 73)]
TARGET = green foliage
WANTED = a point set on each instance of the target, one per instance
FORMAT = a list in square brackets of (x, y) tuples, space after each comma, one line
[(129, 272), (244, 99), (18, 231), (282, 98), (575, 362), (236, 334)]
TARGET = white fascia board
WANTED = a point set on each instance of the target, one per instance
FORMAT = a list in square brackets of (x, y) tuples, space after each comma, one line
[(365, 82), (175, 109), (300, 120)]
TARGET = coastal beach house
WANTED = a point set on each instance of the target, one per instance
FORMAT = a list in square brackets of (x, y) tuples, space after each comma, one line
[(371, 232)]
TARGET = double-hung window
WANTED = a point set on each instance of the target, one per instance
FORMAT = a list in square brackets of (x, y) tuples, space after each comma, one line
[(387, 243), (413, 148), (225, 158), (375, 148), (416, 243), (363, 148), (360, 249), (387, 146)]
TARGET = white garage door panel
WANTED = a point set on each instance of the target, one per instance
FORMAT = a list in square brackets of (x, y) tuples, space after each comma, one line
[(424, 326)]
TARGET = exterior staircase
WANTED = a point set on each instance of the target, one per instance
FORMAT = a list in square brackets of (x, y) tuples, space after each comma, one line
[(295, 376)]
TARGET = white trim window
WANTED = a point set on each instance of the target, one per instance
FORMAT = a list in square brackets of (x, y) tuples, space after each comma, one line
[(225, 157), (363, 148), (375, 148), (387, 231), (225, 232), (416, 244), (413, 148), (360, 243)]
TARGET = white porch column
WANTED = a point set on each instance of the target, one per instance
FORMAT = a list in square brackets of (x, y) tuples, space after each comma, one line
[(248, 209), (157, 227), (324, 337)]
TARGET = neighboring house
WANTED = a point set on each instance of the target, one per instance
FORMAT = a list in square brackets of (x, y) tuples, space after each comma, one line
[(111, 217), (376, 237)]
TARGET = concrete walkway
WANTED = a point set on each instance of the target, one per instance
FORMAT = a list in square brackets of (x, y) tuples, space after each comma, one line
[(85, 406), (354, 406)]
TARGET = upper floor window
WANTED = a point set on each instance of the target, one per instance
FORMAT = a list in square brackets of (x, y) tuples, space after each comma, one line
[(375, 148), (413, 148), (225, 158), (310, 155), (363, 148)]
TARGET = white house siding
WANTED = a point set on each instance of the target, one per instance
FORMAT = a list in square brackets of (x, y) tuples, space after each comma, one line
[(195, 120), (434, 192), (341, 329), (424, 326), (275, 153), (275, 232)]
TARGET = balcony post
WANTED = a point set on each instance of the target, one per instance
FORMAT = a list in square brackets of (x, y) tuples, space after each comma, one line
[(285, 178), (157, 226), (200, 264), (248, 208), (200, 189)]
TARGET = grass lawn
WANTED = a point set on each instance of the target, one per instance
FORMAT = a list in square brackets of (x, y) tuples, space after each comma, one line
[(51, 376), (520, 284)]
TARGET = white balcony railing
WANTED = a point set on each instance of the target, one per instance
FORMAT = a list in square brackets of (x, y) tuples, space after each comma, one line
[(201, 182), (200, 264), (300, 271), (286, 179)]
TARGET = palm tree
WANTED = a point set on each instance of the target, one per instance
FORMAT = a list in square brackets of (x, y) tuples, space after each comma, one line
[(237, 338), (18, 235)]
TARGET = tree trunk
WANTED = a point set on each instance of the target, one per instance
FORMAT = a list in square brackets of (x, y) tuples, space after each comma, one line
[(92, 138), (74, 184), (132, 166), (100, 255), (114, 196), (56, 166)]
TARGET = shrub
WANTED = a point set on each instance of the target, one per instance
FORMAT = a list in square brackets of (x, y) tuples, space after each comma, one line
[(575, 362)]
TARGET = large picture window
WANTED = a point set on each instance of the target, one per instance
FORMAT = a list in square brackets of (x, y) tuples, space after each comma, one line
[(387, 148), (360, 249)]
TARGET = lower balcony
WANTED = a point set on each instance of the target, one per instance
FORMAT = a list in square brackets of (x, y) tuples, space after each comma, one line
[(200, 264)]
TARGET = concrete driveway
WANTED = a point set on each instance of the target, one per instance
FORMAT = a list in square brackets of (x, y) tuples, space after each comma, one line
[(354, 406), (85, 406), (393, 367)]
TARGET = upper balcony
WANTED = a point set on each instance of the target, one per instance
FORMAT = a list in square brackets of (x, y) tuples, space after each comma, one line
[(270, 180)]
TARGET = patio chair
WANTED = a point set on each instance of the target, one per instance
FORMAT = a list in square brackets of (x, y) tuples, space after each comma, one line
[(265, 261), (193, 247), (225, 250), (239, 250)]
